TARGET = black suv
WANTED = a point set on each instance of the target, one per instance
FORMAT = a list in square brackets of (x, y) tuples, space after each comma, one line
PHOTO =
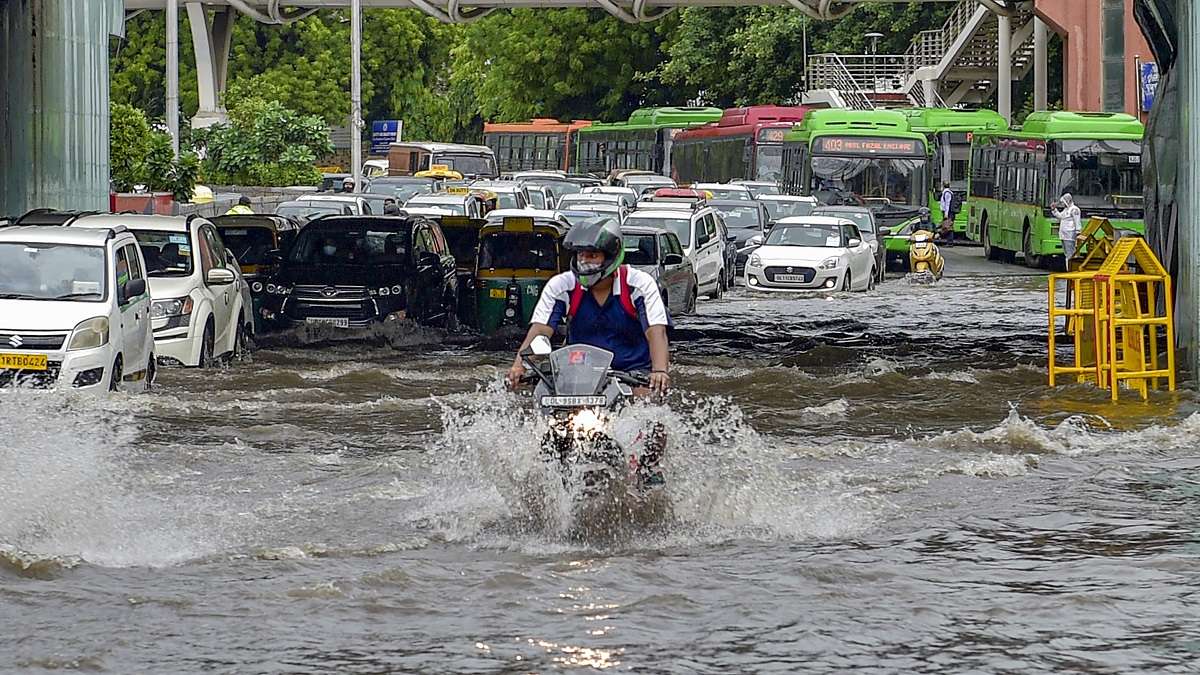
[(352, 271)]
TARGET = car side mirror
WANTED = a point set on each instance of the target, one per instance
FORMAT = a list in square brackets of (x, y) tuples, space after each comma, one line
[(756, 240), (672, 259), (732, 238), (854, 242), (219, 276), (273, 257), (885, 232), (541, 346), (133, 289), (429, 259)]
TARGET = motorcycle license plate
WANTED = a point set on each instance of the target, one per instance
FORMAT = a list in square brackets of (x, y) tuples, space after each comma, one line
[(23, 361), (572, 401), (336, 323), (799, 278)]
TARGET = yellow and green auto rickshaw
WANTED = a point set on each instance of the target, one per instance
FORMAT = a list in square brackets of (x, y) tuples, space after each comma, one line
[(251, 238), (462, 236), (517, 256)]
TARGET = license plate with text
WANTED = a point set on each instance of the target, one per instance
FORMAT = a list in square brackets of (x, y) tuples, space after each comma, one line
[(23, 361), (572, 401), (336, 323), (791, 277)]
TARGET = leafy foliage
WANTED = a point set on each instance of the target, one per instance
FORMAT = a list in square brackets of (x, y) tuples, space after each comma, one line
[(142, 155), (264, 143)]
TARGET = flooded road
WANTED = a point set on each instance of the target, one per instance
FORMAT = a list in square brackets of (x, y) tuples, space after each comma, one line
[(879, 482)]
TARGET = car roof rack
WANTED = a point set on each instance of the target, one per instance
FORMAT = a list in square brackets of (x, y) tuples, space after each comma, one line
[(52, 217)]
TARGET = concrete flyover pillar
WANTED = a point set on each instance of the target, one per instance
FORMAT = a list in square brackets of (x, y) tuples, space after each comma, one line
[(54, 103), (1004, 67), (1187, 283), (212, 35)]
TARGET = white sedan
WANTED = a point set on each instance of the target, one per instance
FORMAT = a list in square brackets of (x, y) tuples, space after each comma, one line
[(807, 253)]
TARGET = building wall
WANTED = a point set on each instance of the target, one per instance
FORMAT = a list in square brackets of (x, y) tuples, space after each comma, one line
[(54, 103), (1080, 23)]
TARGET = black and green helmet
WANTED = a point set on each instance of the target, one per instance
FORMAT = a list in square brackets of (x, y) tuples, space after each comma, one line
[(596, 234)]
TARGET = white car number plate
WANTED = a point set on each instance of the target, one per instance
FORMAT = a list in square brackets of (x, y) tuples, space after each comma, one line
[(790, 277), (572, 401), (336, 323)]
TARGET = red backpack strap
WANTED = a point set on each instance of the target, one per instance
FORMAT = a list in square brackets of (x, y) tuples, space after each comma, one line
[(627, 292), (576, 299)]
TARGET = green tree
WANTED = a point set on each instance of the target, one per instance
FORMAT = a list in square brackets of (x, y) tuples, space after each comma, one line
[(142, 155), (264, 143)]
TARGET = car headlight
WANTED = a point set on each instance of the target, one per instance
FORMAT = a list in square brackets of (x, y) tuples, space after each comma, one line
[(278, 289), (89, 334), (755, 261), (256, 287), (162, 309), (829, 263), (396, 290), (385, 291)]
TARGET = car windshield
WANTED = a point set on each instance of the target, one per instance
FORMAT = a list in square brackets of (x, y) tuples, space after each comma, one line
[(167, 254), (350, 246), (900, 180), (769, 165), (248, 244), (682, 227), (454, 206), (376, 204), (780, 209), (757, 191), (402, 190), (590, 198), (1100, 174), (306, 211), (507, 200), (537, 199), (738, 194), (518, 250), (558, 187), (820, 236), (740, 217), (638, 182), (865, 222), (468, 165), (51, 272), (639, 249)]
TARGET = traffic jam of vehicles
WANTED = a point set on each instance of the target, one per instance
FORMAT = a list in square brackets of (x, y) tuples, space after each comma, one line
[(768, 200)]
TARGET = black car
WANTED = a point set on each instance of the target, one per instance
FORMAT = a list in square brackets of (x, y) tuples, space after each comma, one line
[(744, 219), (353, 271), (867, 224)]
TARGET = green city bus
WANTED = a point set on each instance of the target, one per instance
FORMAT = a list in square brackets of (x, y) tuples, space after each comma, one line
[(643, 142), (868, 156), (949, 132), (1016, 176)]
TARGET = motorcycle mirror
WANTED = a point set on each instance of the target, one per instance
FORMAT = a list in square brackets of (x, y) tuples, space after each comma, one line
[(541, 345)]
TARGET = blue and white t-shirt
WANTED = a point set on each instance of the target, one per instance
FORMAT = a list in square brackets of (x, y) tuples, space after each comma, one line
[(609, 326)]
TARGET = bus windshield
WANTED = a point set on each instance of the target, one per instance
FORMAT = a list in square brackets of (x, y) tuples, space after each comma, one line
[(1100, 174), (900, 180), (770, 163)]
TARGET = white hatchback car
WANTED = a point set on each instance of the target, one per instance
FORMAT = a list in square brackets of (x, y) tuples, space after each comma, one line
[(74, 308), (700, 234), (812, 253), (202, 308)]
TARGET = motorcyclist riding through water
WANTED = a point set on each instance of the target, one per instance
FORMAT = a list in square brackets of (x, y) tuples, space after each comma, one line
[(610, 306)]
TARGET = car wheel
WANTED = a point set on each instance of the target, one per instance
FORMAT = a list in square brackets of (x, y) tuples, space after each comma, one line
[(848, 281), (691, 306), (118, 372), (206, 347), (451, 322), (870, 281), (241, 344)]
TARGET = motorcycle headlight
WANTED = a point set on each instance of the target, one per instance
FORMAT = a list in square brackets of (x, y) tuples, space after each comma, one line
[(89, 334), (829, 263), (162, 309), (586, 421), (755, 261)]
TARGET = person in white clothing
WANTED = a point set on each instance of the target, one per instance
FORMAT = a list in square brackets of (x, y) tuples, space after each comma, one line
[(1070, 223)]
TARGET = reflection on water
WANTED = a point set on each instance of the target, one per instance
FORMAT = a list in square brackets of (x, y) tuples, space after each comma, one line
[(867, 481)]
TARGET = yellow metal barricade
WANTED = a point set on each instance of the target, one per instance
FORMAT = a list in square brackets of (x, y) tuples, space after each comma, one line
[(1115, 324)]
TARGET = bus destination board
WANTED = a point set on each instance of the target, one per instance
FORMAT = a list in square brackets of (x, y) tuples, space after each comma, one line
[(864, 145)]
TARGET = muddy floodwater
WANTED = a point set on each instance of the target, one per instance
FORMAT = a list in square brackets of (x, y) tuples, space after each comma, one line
[(861, 482)]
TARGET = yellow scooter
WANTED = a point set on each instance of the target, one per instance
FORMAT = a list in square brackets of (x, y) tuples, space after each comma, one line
[(925, 262)]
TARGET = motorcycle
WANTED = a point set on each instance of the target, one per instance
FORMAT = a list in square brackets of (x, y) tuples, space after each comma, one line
[(578, 391), (925, 262)]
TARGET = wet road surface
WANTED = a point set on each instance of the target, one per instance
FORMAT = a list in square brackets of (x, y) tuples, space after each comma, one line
[(879, 482)]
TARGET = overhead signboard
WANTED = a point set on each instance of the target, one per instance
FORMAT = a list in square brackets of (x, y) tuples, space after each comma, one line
[(383, 134), (771, 135), (865, 145)]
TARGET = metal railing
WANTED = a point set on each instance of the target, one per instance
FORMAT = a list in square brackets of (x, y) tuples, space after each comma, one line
[(829, 71)]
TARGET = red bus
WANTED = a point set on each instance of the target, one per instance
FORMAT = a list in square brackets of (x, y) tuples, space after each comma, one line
[(537, 145), (745, 144)]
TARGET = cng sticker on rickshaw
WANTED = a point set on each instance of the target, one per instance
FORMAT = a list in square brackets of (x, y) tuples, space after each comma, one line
[(497, 293)]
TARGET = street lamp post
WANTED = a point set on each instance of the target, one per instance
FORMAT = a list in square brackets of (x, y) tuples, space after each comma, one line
[(873, 45), (356, 93)]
